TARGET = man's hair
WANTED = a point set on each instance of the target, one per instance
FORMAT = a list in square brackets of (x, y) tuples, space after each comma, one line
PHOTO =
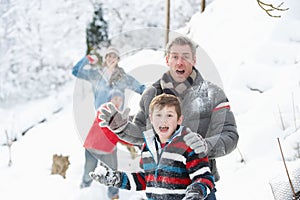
[(182, 41), (164, 100)]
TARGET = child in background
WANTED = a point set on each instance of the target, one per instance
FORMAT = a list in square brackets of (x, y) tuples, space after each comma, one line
[(102, 142), (172, 170), (103, 78), (100, 138)]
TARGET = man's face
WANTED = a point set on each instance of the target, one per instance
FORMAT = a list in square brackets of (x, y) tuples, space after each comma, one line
[(165, 121), (181, 61)]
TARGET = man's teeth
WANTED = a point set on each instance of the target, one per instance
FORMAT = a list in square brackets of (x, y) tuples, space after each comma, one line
[(180, 71)]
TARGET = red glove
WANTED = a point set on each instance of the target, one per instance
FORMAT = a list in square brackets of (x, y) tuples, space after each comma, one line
[(92, 59)]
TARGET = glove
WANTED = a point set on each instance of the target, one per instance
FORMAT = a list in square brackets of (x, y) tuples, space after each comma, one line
[(196, 142), (112, 118), (195, 191), (105, 175), (93, 59)]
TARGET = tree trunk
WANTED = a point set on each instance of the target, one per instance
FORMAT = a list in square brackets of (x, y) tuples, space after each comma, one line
[(202, 6), (167, 21)]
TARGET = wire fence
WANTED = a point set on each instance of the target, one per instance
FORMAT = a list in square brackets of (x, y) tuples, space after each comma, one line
[(282, 189)]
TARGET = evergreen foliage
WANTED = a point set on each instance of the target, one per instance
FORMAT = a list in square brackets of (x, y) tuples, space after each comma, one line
[(97, 31)]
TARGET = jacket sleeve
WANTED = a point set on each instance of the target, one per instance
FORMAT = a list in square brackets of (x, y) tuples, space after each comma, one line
[(133, 131), (135, 85), (133, 181), (199, 172), (222, 136), (79, 71)]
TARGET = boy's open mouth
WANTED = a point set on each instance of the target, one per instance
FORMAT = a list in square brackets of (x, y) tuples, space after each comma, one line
[(163, 128)]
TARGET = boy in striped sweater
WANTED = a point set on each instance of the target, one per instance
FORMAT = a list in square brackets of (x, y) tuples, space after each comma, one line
[(172, 170)]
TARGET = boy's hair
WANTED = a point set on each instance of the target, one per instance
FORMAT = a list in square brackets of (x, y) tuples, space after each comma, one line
[(182, 41), (164, 100)]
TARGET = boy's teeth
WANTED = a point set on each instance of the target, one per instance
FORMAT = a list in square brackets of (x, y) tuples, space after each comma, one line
[(163, 128)]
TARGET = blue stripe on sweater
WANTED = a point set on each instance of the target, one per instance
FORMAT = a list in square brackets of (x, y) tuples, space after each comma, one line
[(124, 181), (149, 166), (191, 153), (173, 169)]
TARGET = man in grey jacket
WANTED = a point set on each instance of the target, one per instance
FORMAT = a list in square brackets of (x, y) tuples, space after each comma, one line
[(205, 107)]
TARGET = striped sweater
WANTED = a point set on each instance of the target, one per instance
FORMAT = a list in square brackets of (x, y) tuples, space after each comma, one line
[(168, 170)]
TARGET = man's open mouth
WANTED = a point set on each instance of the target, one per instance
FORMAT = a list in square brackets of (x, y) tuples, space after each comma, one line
[(180, 71)]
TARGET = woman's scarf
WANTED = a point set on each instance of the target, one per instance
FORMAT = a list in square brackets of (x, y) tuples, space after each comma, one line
[(113, 78), (116, 76)]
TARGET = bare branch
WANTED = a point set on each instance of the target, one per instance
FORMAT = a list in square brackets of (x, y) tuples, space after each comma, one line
[(281, 119), (9, 144), (294, 112), (286, 169), (242, 157), (270, 8), (255, 89)]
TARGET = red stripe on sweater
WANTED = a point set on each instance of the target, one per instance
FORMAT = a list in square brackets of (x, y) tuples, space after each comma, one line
[(206, 181), (181, 145), (169, 180), (219, 108), (141, 181), (196, 162)]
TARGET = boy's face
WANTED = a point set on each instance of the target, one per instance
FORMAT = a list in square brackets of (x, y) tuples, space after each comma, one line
[(117, 101), (165, 121)]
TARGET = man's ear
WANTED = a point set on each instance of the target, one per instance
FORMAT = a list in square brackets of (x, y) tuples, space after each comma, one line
[(195, 60), (167, 59), (180, 120)]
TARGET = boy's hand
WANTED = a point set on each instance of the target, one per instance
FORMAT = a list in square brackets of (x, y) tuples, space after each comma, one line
[(99, 174), (196, 142), (93, 59), (193, 196), (112, 118), (105, 175), (195, 191)]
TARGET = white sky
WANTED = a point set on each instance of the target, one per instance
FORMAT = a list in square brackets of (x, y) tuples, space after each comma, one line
[(249, 50)]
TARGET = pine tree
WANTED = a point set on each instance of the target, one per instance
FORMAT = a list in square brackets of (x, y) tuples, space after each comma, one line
[(96, 32)]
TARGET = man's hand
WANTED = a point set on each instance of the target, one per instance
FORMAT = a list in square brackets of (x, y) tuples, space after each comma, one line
[(196, 142), (112, 118), (93, 59), (105, 175)]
